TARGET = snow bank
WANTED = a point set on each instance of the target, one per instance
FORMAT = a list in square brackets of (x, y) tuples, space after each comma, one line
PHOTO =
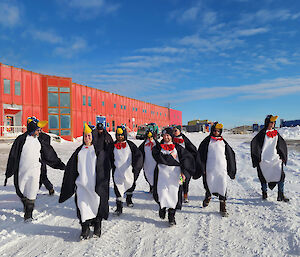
[(292, 133)]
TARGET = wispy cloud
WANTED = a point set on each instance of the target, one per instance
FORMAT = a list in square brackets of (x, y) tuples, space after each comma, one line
[(72, 48), (162, 50), (89, 9), (268, 89), (9, 14), (45, 36)]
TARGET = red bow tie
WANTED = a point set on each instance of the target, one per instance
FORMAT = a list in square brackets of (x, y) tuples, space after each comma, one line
[(217, 138), (272, 133), (151, 144), (120, 145), (168, 147), (178, 140)]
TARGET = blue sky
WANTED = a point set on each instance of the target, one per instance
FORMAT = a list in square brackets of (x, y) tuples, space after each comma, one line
[(234, 61)]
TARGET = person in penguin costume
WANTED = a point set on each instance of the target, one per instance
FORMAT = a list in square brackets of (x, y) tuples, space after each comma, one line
[(149, 162), (182, 140), (174, 163), (101, 137), (24, 162), (268, 154), (87, 175), (218, 161), (126, 161)]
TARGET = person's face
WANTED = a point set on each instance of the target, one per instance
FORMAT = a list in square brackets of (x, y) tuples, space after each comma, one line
[(216, 133), (88, 139), (176, 132), (167, 138), (120, 137), (100, 131), (271, 125), (37, 132)]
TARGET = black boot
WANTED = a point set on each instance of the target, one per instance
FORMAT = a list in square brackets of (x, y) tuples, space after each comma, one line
[(119, 209), (162, 213), (171, 217), (97, 228), (51, 191), (129, 200), (206, 201), (223, 210), (264, 195), (281, 197), (29, 205), (85, 231)]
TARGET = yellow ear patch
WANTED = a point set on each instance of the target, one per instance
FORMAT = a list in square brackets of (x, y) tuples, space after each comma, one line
[(87, 129), (149, 134), (120, 131), (29, 120), (219, 126), (42, 123), (273, 118)]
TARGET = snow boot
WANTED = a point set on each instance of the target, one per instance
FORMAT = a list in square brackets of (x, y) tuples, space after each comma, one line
[(162, 213), (223, 210), (119, 209), (129, 200), (29, 205), (281, 197), (185, 198), (171, 217), (264, 195), (206, 201), (51, 191), (97, 228), (85, 231)]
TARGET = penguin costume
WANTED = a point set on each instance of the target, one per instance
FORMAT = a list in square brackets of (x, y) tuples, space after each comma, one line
[(218, 161), (174, 163), (87, 175), (126, 161), (24, 162), (149, 162), (268, 154), (182, 140), (101, 137)]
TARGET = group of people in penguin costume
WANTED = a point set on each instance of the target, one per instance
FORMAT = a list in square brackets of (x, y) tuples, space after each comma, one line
[(218, 162), (149, 163), (87, 174), (28, 152), (173, 164), (183, 140), (269, 154), (126, 161)]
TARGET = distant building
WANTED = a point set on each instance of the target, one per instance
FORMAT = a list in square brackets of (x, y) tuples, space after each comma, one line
[(198, 125), (68, 105), (289, 123)]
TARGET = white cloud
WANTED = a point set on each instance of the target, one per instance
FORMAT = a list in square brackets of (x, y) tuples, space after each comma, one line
[(268, 89), (46, 36), (74, 47), (251, 32), (162, 50), (9, 14)]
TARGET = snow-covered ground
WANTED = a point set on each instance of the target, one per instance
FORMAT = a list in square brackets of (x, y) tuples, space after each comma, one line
[(253, 228)]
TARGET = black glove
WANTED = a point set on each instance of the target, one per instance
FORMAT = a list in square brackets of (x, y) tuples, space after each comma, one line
[(5, 182)]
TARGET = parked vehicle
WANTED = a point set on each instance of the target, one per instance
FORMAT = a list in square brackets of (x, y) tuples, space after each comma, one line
[(141, 132)]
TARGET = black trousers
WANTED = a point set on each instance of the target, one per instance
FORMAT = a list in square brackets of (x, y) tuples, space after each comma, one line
[(44, 179)]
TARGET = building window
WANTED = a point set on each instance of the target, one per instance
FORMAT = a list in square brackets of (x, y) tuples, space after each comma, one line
[(115, 106), (136, 109), (103, 103), (65, 89), (160, 114), (17, 88), (53, 110), (56, 132), (83, 100), (65, 121), (64, 110), (53, 99), (53, 122), (133, 108), (124, 107), (90, 101), (6, 86), (65, 132), (53, 89), (64, 100), (121, 106)]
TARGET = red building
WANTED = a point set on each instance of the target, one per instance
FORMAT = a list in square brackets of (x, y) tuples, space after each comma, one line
[(67, 105)]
